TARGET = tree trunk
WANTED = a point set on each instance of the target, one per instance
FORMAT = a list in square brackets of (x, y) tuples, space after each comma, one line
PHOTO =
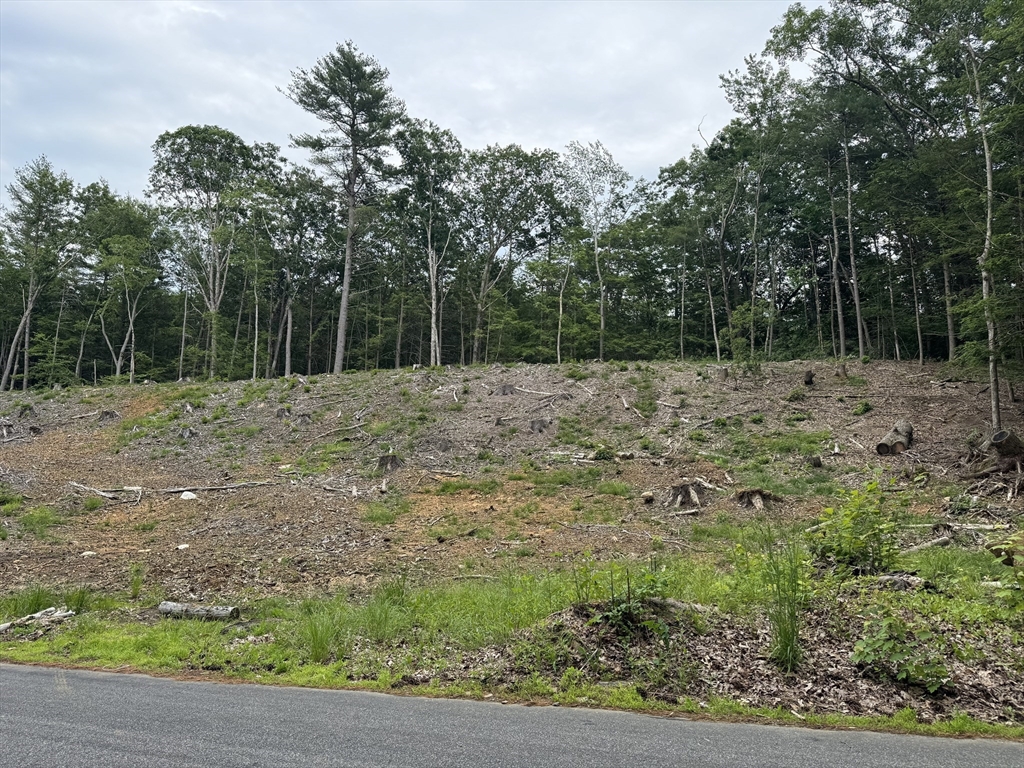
[(346, 280), (950, 326), (862, 344), (986, 276), (840, 320), (561, 312), (917, 312)]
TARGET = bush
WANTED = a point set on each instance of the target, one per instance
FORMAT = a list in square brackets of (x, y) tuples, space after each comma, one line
[(860, 533), (904, 650)]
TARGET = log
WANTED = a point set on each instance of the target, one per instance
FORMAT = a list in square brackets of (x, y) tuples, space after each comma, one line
[(193, 611), (1007, 443), (942, 541), (898, 440)]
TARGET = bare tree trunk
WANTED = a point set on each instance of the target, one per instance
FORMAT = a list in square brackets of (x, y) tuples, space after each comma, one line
[(28, 344), (917, 311), (840, 320), (181, 353), (950, 327), (288, 338), (862, 341), (600, 286), (346, 281), (256, 326), (561, 311), (81, 345), (56, 333), (817, 296), (398, 335), (711, 309), (238, 325), (983, 264), (682, 311)]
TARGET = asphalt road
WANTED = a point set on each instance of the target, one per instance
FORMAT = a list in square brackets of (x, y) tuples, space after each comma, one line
[(57, 718)]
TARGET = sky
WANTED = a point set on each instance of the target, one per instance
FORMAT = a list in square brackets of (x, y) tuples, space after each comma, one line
[(92, 84)]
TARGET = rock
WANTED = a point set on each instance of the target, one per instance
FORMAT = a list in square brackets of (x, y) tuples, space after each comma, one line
[(88, 553), (188, 496), (182, 547)]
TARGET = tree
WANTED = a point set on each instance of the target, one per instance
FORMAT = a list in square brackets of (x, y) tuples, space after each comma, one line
[(348, 91), (510, 208), (200, 174), (600, 189), (39, 239), (127, 243)]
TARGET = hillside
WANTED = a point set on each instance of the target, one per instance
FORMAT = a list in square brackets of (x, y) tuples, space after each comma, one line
[(338, 484)]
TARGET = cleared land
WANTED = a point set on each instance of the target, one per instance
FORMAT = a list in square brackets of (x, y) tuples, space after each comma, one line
[(588, 533)]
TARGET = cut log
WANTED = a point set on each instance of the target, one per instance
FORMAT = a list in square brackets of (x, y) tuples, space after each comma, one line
[(193, 611), (1007, 443), (898, 440)]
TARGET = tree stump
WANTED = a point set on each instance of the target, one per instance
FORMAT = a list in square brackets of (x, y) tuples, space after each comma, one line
[(106, 416), (192, 611), (814, 461), (898, 440), (808, 378), (1007, 443), (389, 462), (504, 389), (540, 426), (755, 497), (188, 433)]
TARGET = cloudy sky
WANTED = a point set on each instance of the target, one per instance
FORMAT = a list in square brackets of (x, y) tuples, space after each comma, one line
[(92, 84)]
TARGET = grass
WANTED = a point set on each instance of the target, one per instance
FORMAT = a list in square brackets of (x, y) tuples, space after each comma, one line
[(485, 487), (39, 520)]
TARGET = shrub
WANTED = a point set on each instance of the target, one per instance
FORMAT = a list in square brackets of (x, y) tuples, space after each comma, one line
[(859, 533), (861, 408), (901, 649)]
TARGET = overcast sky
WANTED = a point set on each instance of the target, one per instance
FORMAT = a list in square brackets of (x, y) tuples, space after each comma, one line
[(92, 84)]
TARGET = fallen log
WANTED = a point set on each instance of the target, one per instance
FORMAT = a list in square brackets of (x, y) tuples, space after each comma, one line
[(45, 616), (193, 611), (898, 440), (942, 541), (1007, 443)]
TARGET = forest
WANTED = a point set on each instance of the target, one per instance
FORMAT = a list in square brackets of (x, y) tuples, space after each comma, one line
[(874, 209)]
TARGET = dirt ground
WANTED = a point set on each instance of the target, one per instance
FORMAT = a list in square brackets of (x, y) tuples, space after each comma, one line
[(313, 446), (332, 484)]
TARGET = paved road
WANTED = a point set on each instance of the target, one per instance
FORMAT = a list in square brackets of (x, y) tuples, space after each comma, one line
[(57, 718)]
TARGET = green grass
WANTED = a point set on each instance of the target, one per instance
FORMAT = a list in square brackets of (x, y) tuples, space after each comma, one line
[(39, 520), (386, 512), (486, 486)]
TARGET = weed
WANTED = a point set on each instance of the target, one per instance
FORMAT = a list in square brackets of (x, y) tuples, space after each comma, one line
[(698, 436), (796, 395), (39, 520), (136, 578), (862, 408), (784, 565), (614, 488)]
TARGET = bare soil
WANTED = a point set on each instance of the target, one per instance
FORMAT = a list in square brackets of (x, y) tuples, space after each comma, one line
[(473, 492)]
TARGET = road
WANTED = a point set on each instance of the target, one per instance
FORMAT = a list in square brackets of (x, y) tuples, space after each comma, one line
[(61, 718)]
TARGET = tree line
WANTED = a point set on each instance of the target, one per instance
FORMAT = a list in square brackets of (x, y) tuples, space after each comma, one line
[(873, 208)]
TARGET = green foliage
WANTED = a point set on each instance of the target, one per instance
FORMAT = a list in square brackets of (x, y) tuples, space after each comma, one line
[(905, 650), (862, 408), (860, 533), (784, 568)]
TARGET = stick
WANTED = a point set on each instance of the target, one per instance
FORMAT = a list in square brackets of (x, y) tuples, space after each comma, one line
[(233, 486), (97, 491), (667, 405), (535, 392)]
